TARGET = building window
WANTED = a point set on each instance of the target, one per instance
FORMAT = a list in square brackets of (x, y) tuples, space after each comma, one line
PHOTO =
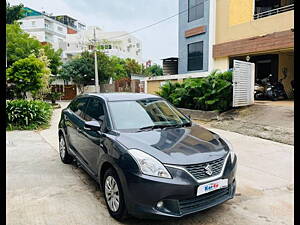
[(195, 56), (59, 29), (265, 8), (33, 23), (196, 10)]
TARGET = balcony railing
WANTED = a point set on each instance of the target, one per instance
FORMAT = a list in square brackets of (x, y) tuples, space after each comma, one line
[(274, 11)]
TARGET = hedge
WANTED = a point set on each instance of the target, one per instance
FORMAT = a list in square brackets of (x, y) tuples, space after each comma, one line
[(211, 93)]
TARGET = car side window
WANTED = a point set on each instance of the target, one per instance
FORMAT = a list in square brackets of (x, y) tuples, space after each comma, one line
[(78, 106), (94, 110)]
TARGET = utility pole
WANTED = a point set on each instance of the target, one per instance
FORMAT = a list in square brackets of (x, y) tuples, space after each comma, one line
[(97, 88)]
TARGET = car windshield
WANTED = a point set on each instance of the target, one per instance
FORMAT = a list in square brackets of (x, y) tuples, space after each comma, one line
[(146, 113)]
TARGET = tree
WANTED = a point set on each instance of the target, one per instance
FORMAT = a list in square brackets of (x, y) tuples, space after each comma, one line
[(45, 89), (118, 66), (26, 75), (80, 70), (19, 44), (105, 67), (154, 70), (54, 57), (132, 67), (13, 13)]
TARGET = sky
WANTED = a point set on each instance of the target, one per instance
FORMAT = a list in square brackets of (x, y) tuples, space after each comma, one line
[(159, 41)]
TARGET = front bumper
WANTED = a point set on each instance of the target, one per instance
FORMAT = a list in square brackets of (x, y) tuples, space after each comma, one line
[(177, 194)]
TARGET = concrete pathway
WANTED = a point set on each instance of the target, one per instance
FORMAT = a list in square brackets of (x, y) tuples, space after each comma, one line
[(41, 190), (265, 119)]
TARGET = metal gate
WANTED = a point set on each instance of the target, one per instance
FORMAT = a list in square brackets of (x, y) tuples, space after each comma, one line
[(243, 83)]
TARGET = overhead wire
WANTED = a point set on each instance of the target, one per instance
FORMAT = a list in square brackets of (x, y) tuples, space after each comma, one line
[(158, 22)]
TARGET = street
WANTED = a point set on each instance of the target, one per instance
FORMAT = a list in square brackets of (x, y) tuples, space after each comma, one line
[(42, 190)]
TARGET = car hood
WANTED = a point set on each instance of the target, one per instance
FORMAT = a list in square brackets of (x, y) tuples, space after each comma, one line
[(177, 146)]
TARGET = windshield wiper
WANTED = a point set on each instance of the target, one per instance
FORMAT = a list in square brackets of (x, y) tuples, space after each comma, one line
[(188, 124), (152, 127), (163, 126)]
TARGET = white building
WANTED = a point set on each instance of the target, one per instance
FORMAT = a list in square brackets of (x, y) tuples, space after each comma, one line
[(73, 37), (50, 29), (45, 29), (118, 44)]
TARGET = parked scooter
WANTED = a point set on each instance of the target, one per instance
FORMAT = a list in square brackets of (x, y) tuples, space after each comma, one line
[(279, 89), (259, 90), (266, 89), (270, 89)]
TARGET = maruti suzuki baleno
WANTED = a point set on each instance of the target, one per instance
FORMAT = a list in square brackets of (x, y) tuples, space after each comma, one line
[(149, 159)]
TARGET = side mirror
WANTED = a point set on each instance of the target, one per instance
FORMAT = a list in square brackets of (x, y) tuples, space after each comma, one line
[(92, 125)]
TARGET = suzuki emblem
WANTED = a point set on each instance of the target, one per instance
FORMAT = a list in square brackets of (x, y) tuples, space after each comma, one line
[(208, 170)]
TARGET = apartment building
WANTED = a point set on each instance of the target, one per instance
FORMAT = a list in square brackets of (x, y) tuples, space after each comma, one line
[(44, 28), (214, 33), (196, 36), (118, 44), (74, 37), (258, 31), (73, 25)]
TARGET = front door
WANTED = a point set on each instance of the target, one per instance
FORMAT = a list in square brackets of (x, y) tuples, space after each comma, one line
[(91, 140), (75, 124)]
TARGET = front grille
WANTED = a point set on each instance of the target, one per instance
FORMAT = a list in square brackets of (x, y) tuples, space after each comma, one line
[(204, 201), (199, 171)]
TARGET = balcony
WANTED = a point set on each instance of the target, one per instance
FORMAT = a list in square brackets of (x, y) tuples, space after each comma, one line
[(273, 11)]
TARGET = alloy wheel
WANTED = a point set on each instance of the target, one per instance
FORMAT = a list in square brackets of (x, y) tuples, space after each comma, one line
[(112, 193), (62, 148)]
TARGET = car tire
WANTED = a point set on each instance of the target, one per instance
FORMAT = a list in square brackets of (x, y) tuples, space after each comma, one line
[(63, 151), (111, 178)]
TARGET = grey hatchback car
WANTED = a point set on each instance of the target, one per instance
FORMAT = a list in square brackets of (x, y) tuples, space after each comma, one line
[(149, 159)]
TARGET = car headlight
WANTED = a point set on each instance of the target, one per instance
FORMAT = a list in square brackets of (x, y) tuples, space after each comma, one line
[(231, 152), (148, 164)]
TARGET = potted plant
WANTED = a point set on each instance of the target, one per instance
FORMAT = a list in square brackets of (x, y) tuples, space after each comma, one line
[(54, 96)]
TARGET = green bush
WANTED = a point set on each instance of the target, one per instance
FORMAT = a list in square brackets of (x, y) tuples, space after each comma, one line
[(27, 114), (210, 93)]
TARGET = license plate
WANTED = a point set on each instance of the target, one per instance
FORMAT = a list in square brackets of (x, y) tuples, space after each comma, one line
[(212, 186)]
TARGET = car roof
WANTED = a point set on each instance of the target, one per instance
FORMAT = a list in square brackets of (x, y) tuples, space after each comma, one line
[(122, 96)]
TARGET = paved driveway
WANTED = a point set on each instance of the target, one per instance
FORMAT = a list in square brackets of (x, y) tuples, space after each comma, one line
[(41, 190)]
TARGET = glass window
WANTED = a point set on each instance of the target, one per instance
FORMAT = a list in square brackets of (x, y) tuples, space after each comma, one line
[(144, 113), (195, 56), (78, 106), (196, 10), (94, 110)]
